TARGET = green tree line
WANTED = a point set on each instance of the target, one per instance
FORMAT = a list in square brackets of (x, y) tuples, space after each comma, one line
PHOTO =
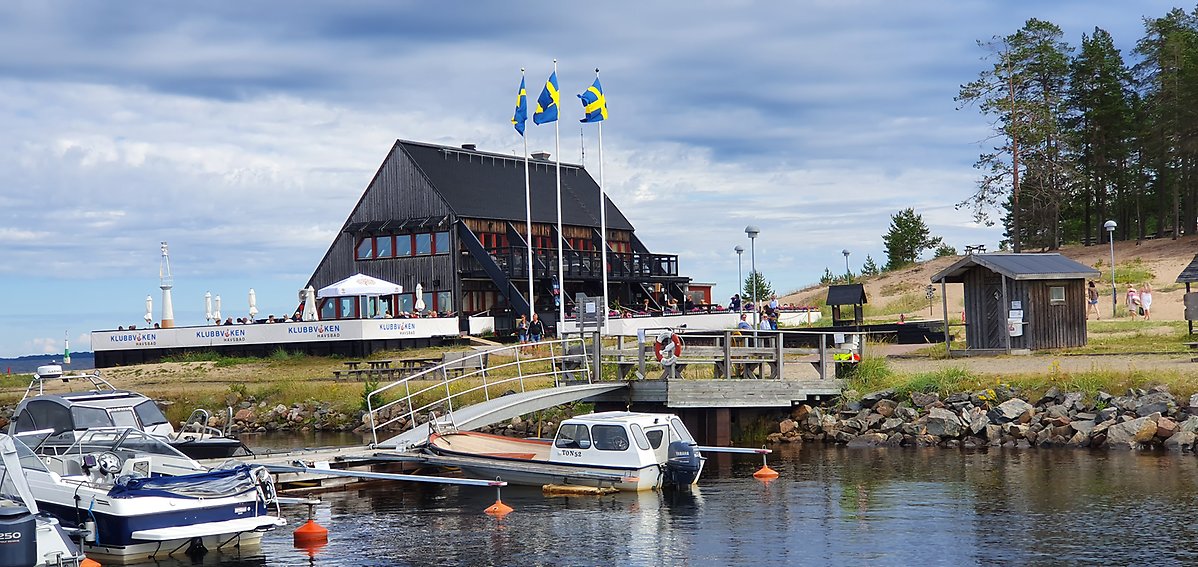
[(1082, 135)]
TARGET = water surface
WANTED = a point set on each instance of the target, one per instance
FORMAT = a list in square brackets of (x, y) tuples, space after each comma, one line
[(831, 506)]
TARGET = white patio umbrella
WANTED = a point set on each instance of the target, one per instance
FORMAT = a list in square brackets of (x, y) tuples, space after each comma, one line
[(419, 297), (208, 306), (309, 304), (253, 304), (216, 310), (149, 309)]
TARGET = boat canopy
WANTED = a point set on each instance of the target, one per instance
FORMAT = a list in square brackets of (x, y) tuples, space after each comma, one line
[(216, 483)]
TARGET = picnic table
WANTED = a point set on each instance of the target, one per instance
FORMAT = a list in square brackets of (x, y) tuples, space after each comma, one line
[(418, 363), (352, 364), (1193, 347), (379, 364)]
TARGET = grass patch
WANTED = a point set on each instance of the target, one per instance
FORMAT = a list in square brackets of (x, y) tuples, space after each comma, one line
[(208, 356), (906, 303), (1133, 272)]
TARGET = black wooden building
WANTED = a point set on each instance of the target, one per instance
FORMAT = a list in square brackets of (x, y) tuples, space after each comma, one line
[(1021, 301), (452, 219)]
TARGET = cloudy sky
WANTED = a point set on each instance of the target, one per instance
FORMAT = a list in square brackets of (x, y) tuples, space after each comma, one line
[(243, 132)]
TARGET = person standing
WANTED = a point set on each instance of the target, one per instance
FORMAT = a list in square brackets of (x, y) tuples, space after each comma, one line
[(1133, 301), (1146, 301), (536, 329), (522, 329), (1092, 298)]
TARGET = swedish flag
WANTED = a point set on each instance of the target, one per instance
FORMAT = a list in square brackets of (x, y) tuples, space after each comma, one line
[(594, 105), (547, 103), (520, 118)]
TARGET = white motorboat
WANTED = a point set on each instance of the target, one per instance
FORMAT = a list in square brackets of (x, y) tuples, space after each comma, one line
[(28, 537), (626, 450), (98, 404), (139, 498)]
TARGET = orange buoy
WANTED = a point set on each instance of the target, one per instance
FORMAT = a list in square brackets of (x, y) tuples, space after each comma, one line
[(310, 533), (765, 473), (89, 563), (498, 509)]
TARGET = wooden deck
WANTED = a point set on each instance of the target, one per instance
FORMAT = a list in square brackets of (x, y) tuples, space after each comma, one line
[(696, 394)]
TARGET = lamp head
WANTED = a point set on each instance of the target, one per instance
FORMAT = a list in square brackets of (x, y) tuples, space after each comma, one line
[(1110, 225), (739, 249), (752, 231), (845, 252)]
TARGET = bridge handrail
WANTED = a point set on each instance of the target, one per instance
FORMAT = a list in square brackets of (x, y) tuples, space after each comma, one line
[(444, 375)]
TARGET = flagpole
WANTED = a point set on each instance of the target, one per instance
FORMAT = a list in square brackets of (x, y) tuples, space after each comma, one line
[(602, 221), (532, 304), (561, 238)]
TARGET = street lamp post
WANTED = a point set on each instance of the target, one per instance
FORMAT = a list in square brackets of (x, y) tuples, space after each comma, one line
[(753, 231), (740, 277), (1110, 237), (847, 273)]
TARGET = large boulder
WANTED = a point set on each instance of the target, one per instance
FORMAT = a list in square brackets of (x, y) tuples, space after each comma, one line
[(1156, 402), (885, 407), (890, 425), (1012, 410), (943, 423), (1181, 441), (923, 400), (871, 439), (872, 398), (786, 426), (1131, 434)]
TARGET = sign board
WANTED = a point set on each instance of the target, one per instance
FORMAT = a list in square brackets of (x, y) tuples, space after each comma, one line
[(590, 311), (1016, 305), (1015, 314), (1191, 302)]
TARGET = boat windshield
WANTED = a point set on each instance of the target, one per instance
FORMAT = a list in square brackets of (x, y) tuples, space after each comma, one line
[(683, 434), (117, 438)]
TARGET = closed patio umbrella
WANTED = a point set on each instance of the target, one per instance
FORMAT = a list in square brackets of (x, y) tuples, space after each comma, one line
[(208, 306), (216, 310), (309, 304), (149, 309), (253, 304), (419, 297)]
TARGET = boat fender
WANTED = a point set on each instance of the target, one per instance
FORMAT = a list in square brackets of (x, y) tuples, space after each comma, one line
[(266, 483), (667, 348)]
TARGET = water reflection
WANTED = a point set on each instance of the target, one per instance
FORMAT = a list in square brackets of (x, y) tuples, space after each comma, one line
[(831, 506)]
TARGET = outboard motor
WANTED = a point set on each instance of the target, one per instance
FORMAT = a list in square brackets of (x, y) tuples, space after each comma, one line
[(18, 537), (684, 463)]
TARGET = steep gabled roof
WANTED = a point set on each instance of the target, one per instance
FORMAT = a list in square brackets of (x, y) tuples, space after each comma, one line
[(1019, 267), (1190, 274), (491, 186)]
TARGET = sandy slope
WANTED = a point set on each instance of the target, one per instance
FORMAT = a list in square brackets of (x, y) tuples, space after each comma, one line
[(1163, 257)]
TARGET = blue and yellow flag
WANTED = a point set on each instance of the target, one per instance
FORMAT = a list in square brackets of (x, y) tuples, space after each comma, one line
[(547, 103), (520, 118), (594, 105)]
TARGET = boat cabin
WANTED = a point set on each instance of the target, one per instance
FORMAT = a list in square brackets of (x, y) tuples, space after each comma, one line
[(618, 438)]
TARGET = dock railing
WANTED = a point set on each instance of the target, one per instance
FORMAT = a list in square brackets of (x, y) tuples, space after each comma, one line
[(741, 352), (471, 377)]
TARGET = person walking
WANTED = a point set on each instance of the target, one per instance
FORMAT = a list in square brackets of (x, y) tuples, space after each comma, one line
[(1133, 301), (1092, 299), (1146, 301), (536, 329), (522, 329)]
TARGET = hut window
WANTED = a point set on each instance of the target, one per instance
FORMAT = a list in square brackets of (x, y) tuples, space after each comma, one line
[(1056, 295), (424, 244), (366, 248)]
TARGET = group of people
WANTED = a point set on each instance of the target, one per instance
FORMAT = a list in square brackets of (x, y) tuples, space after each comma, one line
[(1138, 301), (530, 331), (768, 313)]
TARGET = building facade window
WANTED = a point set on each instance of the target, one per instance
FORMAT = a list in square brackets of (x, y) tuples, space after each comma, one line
[(402, 245)]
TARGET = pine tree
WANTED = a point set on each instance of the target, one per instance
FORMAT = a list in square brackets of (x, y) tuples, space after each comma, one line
[(869, 268), (907, 238), (756, 281)]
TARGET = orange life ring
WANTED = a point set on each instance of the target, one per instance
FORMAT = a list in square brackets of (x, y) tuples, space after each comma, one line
[(657, 346)]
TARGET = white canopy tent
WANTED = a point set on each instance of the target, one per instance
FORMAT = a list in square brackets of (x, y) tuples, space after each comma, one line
[(359, 284)]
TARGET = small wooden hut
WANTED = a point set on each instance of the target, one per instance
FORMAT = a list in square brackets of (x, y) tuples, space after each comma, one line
[(1021, 301), (849, 294), (1189, 276)]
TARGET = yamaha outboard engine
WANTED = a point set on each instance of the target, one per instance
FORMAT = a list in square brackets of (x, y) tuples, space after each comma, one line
[(18, 537), (684, 463)]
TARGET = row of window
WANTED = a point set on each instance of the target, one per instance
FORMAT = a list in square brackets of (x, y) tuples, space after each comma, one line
[(493, 240), (402, 245), (607, 437), (370, 307)]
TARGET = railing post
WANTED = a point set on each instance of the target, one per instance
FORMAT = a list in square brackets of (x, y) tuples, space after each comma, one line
[(520, 367), (407, 386), (640, 352), (778, 352), (823, 355), (727, 355)]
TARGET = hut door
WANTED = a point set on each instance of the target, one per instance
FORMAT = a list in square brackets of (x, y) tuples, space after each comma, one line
[(995, 321)]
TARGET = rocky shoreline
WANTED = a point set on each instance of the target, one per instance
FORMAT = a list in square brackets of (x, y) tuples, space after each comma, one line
[(999, 417)]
